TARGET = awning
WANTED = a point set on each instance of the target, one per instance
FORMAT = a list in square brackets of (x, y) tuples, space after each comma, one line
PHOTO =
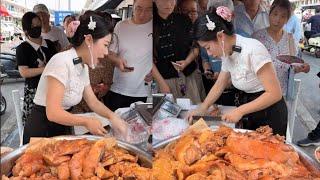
[(111, 4), (4, 11)]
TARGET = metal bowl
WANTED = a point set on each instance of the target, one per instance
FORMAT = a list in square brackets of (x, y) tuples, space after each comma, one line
[(307, 160), (8, 161)]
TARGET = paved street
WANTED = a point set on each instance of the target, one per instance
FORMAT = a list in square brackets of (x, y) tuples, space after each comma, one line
[(8, 120), (308, 108)]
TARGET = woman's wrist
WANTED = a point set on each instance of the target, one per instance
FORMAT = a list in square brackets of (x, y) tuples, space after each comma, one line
[(241, 110), (203, 106), (83, 121)]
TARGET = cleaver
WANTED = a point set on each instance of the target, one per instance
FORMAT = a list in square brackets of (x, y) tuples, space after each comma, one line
[(212, 120)]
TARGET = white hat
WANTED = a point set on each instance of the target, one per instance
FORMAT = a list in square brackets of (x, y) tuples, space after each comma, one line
[(40, 8)]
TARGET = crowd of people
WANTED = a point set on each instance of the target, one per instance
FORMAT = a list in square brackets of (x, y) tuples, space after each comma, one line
[(210, 51)]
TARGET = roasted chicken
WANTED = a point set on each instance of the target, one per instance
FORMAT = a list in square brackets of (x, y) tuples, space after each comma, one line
[(78, 160), (227, 154)]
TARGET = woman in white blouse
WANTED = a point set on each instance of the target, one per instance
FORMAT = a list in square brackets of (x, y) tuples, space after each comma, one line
[(247, 63), (65, 81)]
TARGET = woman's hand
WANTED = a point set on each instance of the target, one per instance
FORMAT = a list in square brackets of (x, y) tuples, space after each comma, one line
[(201, 110), (301, 67), (233, 116), (95, 127), (123, 66), (305, 67), (180, 65), (183, 64), (120, 126), (148, 78), (208, 74)]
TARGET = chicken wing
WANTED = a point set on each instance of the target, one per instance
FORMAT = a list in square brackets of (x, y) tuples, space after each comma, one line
[(95, 154)]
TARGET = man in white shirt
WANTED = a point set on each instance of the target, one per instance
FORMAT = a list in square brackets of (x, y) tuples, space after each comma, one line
[(250, 16), (131, 51), (52, 33)]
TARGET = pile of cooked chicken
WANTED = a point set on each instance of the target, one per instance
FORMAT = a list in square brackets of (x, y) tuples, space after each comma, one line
[(77, 160), (227, 154)]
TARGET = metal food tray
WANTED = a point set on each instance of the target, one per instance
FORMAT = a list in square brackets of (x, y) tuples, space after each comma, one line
[(310, 163), (8, 161)]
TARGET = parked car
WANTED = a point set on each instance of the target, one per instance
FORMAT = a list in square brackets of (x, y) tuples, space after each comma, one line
[(9, 63)]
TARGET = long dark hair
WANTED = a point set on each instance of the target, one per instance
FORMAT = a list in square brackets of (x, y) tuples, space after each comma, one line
[(27, 20), (284, 4), (201, 31), (102, 29)]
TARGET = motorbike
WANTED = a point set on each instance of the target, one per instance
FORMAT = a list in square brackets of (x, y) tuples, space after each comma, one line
[(311, 45)]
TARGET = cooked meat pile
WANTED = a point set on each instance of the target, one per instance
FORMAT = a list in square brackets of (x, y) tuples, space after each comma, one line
[(226, 154), (79, 160)]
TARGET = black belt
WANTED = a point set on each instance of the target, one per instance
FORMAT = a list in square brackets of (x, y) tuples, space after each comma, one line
[(43, 108), (242, 97)]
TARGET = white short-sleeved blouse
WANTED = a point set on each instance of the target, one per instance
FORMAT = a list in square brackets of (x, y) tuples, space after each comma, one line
[(74, 78), (243, 67)]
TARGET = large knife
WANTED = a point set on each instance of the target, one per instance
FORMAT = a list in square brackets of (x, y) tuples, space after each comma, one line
[(211, 120)]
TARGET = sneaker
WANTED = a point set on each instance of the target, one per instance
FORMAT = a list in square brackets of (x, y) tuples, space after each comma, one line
[(308, 142)]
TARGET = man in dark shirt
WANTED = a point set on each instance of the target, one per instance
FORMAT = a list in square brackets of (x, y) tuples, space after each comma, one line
[(315, 24), (173, 44)]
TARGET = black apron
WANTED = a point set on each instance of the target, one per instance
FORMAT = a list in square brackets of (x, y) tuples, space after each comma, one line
[(38, 125), (276, 115)]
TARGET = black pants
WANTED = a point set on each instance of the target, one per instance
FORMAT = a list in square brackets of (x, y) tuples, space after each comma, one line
[(276, 115), (207, 84), (315, 134), (115, 101), (38, 125)]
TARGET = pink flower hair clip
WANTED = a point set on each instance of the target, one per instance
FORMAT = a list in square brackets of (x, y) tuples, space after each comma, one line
[(225, 13)]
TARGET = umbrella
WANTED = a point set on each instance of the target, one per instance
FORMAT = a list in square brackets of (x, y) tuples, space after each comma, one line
[(3, 11)]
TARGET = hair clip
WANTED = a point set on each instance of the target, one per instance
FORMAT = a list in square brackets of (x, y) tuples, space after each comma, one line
[(225, 13), (210, 25), (92, 24)]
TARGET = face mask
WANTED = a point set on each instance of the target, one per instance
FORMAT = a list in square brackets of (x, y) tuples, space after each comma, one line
[(35, 32), (91, 56)]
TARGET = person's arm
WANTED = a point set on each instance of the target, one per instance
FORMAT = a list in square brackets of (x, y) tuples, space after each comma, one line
[(27, 72), (297, 30), (163, 86), (25, 60), (56, 113), (272, 94), (215, 92), (98, 107), (217, 89), (119, 62), (193, 54)]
